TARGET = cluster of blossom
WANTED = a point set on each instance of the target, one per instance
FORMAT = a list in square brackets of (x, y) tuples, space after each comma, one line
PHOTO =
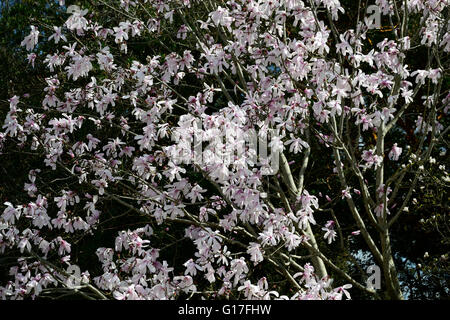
[(147, 278), (271, 80)]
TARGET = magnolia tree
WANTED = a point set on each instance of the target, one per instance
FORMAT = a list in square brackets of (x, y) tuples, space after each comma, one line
[(208, 137)]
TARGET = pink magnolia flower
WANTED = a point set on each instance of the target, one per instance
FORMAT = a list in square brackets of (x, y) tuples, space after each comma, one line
[(31, 58), (330, 234), (31, 40), (57, 35), (395, 152)]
